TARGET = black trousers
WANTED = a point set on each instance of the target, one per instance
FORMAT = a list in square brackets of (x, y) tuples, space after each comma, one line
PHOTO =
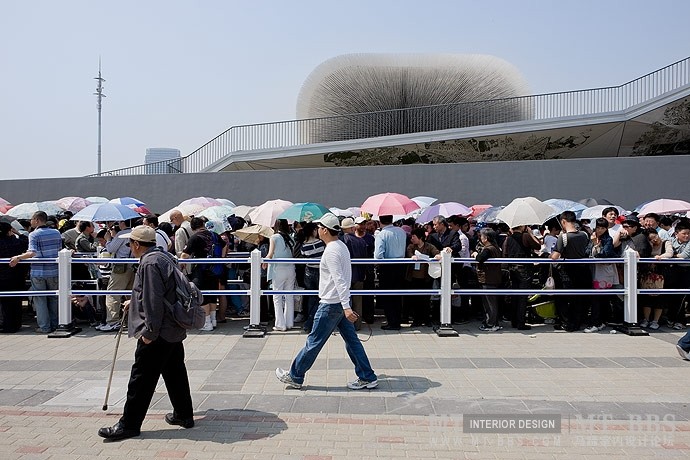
[(159, 358), (419, 305), (11, 314), (391, 276)]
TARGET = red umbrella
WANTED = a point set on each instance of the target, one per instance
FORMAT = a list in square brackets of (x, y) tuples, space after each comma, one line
[(388, 204), (479, 208)]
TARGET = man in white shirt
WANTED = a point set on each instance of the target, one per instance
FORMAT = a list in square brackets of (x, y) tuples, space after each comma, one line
[(334, 312)]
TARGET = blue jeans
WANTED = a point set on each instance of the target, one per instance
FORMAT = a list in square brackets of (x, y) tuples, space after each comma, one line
[(329, 317), (310, 302), (684, 342), (46, 307)]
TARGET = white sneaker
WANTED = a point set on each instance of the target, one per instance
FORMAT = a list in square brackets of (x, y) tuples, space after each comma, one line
[(284, 376), (644, 323), (601, 327), (360, 384), (109, 327), (208, 325), (654, 325), (683, 354)]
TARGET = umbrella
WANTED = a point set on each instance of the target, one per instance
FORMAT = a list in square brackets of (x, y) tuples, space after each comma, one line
[(72, 203), (225, 202), (304, 212), (594, 212), (106, 212), (424, 201), (186, 210), (589, 202), (6, 218), (127, 200), (340, 212), (525, 211), (479, 208), (251, 234), (96, 199), (489, 215), (203, 201), (242, 211), (218, 226), (4, 205), (665, 206), (26, 210), (220, 213), (267, 213), (387, 204), (559, 205), (448, 209), (140, 209)]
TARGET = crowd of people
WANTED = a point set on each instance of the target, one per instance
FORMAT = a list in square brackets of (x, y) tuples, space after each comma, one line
[(563, 237)]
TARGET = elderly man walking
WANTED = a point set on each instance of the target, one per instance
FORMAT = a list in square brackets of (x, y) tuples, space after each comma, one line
[(334, 312), (160, 351)]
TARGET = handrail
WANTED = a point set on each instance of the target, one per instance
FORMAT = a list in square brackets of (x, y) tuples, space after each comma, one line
[(292, 133)]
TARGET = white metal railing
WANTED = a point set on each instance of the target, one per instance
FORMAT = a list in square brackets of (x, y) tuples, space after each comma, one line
[(630, 290), (292, 133)]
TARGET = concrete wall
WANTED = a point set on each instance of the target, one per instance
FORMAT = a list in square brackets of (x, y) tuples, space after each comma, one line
[(624, 181)]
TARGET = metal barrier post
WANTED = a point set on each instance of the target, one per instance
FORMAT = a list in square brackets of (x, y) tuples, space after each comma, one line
[(629, 325), (255, 329), (66, 327), (445, 329)]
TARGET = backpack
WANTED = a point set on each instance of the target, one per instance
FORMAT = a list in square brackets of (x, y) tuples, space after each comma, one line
[(216, 252), (187, 310)]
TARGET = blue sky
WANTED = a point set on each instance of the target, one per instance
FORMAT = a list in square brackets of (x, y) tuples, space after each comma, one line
[(179, 72)]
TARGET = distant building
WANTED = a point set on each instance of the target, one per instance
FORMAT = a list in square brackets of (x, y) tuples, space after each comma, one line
[(162, 161)]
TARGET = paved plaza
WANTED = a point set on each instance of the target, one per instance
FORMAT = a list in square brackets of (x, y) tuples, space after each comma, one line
[(616, 396)]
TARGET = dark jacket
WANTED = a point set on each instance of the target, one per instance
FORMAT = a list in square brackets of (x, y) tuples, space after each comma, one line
[(149, 316), (448, 239), (489, 273)]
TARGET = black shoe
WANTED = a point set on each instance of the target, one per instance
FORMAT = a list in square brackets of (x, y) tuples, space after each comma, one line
[(524, 327), (117, 432), (170, 419), (417, 324), (387, 327)]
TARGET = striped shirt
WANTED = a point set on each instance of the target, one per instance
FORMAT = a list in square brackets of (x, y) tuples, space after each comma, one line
[(45, 243)]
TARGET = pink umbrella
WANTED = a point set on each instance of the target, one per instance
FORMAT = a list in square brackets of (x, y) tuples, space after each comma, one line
[(267, 213), (665, 206), (387, 204), (72, 203), (4, 202)]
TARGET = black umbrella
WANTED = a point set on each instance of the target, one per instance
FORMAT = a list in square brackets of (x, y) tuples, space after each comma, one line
[(589, 202)]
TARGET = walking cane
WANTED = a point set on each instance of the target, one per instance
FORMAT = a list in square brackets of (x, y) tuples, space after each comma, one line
[(112, 368)]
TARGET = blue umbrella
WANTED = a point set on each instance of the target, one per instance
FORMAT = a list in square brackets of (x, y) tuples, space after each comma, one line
[(106, 212), (559, 205), (128, 200), (304, 212), (489, 215)]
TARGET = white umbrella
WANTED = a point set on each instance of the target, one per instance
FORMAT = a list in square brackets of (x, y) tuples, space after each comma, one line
[(267, 213), (595, 211), (187, 210), (96, 199), (217, 213), (242, 211), (424, 201), (226, 202), (26, 210), (525, 211), (341, 212)]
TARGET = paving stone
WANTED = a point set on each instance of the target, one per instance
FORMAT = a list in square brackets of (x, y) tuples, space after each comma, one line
[(597, 362), (559, 363), (490, 363), (316, 404)]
